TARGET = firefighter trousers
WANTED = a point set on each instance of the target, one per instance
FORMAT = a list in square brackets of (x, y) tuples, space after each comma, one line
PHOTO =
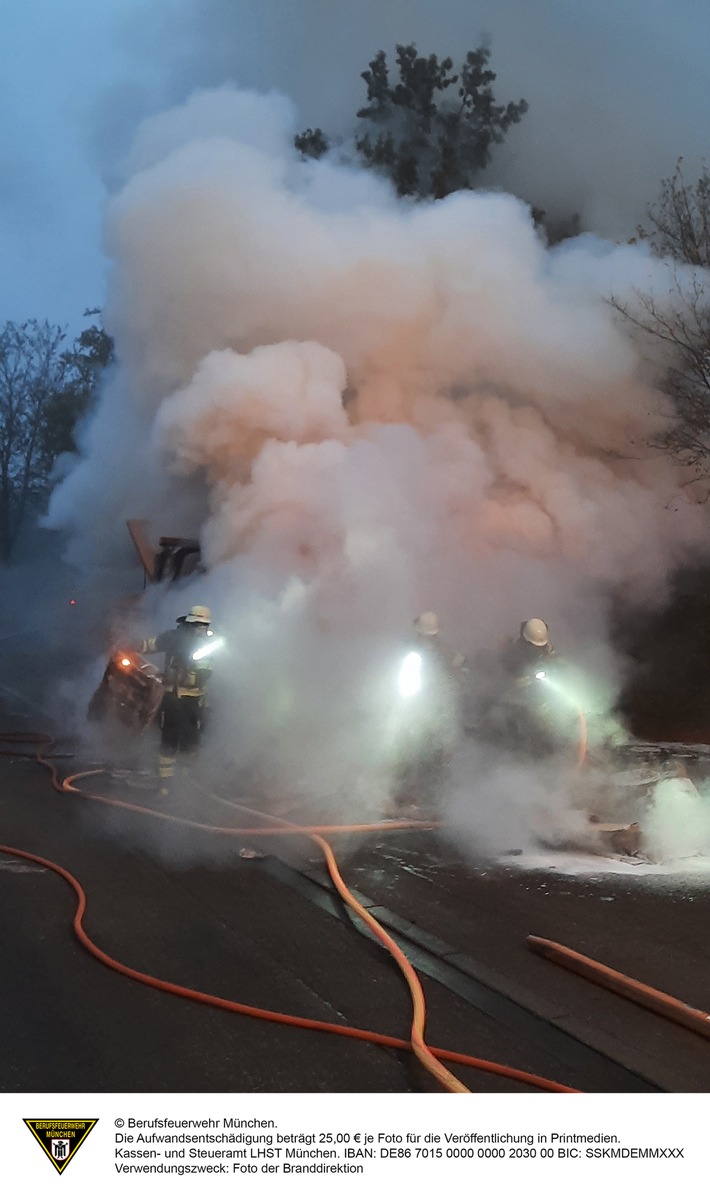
[(180, 730)]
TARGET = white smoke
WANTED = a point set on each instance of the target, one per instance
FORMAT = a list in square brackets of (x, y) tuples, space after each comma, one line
[(490, 460), (678, 823), (616, 91)]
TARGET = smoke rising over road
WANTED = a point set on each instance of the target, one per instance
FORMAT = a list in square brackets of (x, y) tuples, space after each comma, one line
[(365, 408)]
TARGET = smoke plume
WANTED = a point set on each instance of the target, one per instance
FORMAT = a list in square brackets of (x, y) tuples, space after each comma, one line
[(364, 408), (616, 92)]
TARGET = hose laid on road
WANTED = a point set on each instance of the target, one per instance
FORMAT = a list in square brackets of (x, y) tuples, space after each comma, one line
[(311, 1024), (419, 1046), (628, 987), (428, 1056), (583, 738)]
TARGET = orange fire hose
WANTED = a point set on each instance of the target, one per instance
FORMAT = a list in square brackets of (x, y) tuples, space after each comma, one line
[(582, 743), (275, 1016), (628, 987), (421, 1051), (428, 1056)]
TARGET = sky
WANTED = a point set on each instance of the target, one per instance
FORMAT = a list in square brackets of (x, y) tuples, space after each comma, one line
[(616, 93)]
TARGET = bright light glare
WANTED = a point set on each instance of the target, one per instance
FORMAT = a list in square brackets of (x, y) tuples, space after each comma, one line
[(541, 675), (208, 649), (410, 675), (125, 663)]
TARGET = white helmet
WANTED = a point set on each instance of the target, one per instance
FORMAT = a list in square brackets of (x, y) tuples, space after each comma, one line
[(199, 613), (535, 631), (427, 623)]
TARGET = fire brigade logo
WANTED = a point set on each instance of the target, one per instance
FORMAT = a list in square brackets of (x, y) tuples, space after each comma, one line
[(60, 1139)]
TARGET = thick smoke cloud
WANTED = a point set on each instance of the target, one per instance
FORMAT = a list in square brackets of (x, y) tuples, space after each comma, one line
[(616, 92), (364, 408)]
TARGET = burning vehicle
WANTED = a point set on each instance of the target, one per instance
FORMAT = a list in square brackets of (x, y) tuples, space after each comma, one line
[(131, 691), (131, 688)]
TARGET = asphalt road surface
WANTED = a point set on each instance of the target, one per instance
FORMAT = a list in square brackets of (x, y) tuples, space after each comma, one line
[(184, 906)]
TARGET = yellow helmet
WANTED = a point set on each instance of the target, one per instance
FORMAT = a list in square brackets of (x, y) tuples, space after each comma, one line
[(199, 613), (427, 624), (535, 631)]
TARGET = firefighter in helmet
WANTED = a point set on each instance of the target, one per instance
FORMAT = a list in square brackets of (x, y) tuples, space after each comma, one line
[(513, 708), (430, 643), (527, 654), (430, 687), (186, 675)]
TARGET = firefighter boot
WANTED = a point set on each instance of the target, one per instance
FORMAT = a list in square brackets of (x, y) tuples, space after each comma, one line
[(166, 772)]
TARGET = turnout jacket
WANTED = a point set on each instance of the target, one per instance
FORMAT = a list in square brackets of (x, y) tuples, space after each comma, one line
[(182, 676)]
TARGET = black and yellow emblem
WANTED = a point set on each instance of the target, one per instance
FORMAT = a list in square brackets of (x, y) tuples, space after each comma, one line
[(60, 1138)]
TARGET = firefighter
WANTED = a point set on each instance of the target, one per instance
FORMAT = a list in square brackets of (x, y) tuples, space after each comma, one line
[(429, 642), (430, 686), (185, 680), (513, 707), (528, 653)]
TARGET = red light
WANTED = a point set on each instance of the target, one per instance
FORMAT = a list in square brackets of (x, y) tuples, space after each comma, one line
[(72, 602)]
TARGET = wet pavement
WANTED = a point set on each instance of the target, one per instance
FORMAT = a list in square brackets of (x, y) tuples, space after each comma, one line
[(185, 906)]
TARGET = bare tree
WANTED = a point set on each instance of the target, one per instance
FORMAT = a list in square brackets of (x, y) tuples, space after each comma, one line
[(32, 372), (676, 328), (679, 221), (45, 389)]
